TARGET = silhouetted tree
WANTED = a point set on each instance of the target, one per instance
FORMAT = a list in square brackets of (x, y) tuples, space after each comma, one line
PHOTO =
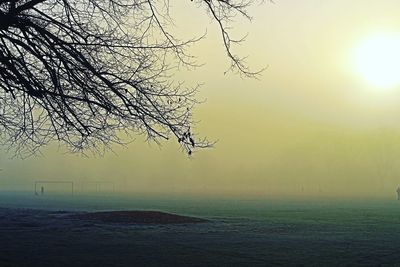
[(85, 71)]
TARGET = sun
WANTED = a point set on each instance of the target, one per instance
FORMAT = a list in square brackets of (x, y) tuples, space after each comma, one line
[(377, 60)]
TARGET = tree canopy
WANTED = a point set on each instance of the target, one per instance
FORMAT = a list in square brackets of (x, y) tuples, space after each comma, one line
[(85, 71)]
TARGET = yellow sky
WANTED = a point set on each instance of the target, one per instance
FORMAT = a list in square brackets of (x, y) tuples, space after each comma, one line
[(309, 126)]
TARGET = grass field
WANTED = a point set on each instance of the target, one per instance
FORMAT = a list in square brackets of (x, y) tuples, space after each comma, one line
[(241, 233)]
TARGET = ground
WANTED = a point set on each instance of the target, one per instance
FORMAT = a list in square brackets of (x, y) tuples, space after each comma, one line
[(247, 233)]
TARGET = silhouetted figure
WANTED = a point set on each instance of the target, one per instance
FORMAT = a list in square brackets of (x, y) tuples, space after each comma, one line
[(398, 193), (42, 190)]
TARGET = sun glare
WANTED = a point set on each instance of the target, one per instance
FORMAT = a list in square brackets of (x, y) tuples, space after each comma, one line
[(377, 60)]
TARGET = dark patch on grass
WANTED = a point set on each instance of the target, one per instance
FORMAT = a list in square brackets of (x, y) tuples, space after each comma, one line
[(137, 217)]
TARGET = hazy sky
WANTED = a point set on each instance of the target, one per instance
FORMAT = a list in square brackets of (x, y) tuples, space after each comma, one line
[(311, 125)]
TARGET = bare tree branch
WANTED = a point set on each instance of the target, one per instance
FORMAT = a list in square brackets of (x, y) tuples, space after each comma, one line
[(85, 71)]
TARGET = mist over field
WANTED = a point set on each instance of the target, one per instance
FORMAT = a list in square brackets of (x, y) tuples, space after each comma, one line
[(288, 160), (308, 127)]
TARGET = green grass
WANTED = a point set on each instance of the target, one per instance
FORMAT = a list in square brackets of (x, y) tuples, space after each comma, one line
[(243, 233)]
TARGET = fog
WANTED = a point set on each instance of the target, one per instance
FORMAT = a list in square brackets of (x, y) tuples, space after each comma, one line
[(308, 127)]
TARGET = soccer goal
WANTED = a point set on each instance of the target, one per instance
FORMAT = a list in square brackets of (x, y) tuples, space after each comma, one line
[(98, 186), (44, 187)]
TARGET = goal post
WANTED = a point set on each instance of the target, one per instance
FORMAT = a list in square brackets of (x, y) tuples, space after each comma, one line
[(70, 184), (98, 186)]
